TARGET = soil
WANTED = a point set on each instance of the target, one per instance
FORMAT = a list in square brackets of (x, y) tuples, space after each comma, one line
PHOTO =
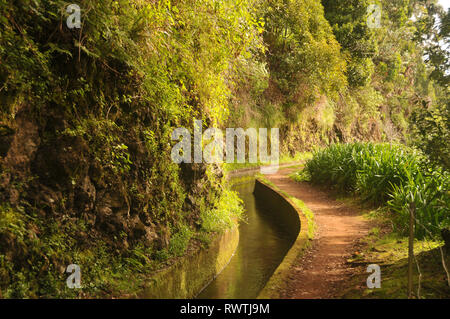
[(322, 272)]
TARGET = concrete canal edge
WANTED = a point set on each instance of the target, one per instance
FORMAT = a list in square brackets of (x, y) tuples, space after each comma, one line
[(299, 226), (190, 274), (250, 171)]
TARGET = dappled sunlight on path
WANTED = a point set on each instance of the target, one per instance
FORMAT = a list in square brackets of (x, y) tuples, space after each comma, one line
[(321, 270)]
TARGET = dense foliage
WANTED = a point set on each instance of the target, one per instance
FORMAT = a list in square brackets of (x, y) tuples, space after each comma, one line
[(367, 91), (86, 117), (87, 114), (392, 175)]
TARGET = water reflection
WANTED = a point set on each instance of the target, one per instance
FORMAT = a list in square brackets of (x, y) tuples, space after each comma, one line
[(263, 243)]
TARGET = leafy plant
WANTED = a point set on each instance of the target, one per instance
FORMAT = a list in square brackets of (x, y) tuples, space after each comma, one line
[(180, 241), (392, 175), (227, 211)]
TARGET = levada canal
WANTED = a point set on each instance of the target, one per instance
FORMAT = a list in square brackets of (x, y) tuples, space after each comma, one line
[(263, 243)]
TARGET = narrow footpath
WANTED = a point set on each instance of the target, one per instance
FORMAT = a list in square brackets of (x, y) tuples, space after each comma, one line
[(323, 270)]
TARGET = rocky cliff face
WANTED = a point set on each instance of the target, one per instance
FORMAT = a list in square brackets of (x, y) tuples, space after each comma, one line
[(59, 177), (63, 193)]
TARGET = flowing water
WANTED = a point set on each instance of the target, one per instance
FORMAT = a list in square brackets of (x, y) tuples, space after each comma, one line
[(263, 243)]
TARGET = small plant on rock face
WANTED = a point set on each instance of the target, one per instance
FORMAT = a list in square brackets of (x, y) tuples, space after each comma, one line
[(180, 241), (228, 209), (120, 158)]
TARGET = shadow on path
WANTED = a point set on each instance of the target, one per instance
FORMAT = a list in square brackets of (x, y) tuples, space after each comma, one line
[(322, 269)]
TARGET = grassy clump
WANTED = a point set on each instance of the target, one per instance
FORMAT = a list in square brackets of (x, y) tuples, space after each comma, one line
[(384, 174), (177, 247)]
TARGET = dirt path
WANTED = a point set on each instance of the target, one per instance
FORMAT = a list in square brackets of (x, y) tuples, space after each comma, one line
[(323, 269)]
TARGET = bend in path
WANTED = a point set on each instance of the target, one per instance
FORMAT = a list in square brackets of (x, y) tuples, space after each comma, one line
[(322, 270)]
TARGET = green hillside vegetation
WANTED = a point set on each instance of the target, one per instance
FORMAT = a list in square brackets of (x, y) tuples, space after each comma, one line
[(86, 117)]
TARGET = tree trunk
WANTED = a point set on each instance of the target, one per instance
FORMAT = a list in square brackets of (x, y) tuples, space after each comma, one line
[(412, 209), (446, 236)]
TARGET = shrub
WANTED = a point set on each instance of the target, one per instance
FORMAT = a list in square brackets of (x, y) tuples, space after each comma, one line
[(431, 132)]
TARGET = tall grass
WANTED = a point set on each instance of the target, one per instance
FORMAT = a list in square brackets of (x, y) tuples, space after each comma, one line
[(429, 193), (384, 174)]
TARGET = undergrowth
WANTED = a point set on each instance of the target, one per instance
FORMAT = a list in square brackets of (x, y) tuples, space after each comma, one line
[(383, 174)]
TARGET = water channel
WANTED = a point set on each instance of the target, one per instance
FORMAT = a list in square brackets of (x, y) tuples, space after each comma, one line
[(263, 243)]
